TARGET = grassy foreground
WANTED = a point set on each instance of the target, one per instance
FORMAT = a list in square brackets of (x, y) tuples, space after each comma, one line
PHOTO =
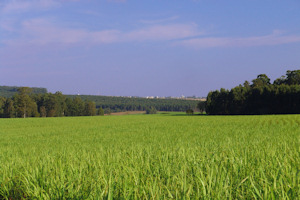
[(150, 157)]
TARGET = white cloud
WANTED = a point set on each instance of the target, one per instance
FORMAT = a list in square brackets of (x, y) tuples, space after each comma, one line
[(164, 32), (44, 31), (41, 32), (276, 38)]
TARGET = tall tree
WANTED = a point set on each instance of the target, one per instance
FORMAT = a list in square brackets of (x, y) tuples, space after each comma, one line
[(90, 108), (50, 104), (9, 109), (2, 106), (43, 111), (261, 97), (261, 80), (60, 104), (293, 77), (100, 111), (280, 81), (78, 106), (201, 106), (24, 104)]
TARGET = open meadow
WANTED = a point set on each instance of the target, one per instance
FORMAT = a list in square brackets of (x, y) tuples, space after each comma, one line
[(163, 156)]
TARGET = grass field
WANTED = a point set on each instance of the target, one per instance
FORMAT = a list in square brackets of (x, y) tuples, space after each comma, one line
[(151, 157)]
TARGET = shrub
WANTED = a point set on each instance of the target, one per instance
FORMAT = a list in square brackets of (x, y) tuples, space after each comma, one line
[(189, 111), (151, 110)]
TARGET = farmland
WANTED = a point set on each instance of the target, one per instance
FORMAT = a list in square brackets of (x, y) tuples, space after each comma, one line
[(164, 156)]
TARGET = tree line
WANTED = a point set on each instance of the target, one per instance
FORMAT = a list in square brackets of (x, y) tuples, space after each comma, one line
[(27, 104), (10, 91), (120, 104), (260, 97)]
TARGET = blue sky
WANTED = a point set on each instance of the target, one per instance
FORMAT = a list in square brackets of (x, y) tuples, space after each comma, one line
[(146, 48)]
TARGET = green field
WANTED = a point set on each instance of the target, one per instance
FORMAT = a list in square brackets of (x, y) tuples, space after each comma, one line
[(150, 157)]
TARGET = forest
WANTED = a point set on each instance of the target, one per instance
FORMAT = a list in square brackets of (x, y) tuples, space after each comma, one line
[(30, 102), (118, 104), (260, 97), (10, 91), (27, 104)]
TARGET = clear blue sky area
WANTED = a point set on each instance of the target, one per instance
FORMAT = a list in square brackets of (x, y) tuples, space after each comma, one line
[(148, 47)]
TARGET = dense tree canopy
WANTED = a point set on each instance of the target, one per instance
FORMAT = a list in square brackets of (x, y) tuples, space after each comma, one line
[(26, 104), (261, 97), (10, 91), (119, 104)]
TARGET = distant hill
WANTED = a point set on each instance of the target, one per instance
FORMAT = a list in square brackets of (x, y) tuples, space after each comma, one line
[(9, 91)]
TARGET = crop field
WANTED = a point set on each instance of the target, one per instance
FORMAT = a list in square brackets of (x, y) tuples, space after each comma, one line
[(163, 156)]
